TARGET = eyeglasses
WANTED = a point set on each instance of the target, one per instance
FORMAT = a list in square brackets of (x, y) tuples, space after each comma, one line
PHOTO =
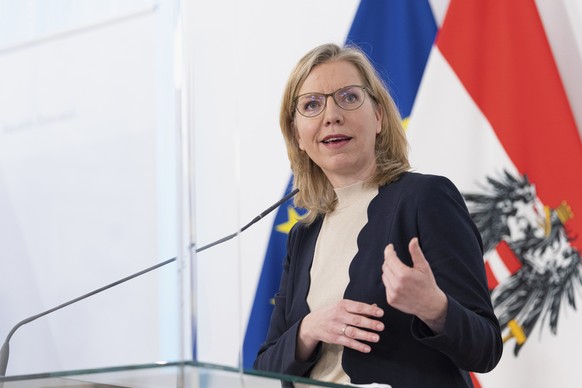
[(348, 98)]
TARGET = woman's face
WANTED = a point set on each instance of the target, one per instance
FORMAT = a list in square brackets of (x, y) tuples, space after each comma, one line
[(341, 142)]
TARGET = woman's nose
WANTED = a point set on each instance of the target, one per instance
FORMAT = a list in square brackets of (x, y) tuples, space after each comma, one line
[(333, 113)]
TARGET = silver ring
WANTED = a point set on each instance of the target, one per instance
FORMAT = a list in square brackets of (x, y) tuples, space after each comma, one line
[(344, 330)]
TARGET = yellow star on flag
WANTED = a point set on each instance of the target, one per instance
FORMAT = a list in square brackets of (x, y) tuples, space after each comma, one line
[(293, 217), (405, 123)]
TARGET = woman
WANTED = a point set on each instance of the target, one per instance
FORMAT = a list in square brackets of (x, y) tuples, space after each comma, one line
[(384, 279)]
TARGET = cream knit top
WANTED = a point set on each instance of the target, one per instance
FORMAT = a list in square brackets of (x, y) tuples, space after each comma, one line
[(335, 248)]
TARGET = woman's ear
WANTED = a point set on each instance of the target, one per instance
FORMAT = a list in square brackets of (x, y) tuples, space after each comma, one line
[(379, 114), (297, 138), (299, 144)]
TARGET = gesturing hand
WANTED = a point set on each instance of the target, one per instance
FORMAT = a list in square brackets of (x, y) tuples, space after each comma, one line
[(413, 290), (346, 323)]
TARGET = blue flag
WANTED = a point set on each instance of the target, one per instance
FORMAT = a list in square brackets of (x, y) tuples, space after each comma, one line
[(287, 216), (397, 35)]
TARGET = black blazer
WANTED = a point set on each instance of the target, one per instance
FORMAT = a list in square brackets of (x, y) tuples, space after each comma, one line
[(408, 354)]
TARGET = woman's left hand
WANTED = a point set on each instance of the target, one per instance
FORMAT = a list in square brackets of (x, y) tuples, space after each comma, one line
[(413, 290)]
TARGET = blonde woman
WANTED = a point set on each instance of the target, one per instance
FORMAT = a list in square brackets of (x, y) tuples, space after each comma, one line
[(384, 279)]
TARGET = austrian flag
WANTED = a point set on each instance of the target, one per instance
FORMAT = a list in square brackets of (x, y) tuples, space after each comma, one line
[(492, 115)]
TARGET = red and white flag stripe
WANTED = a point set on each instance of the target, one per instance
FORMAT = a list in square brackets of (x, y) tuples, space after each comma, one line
[(491, 100)]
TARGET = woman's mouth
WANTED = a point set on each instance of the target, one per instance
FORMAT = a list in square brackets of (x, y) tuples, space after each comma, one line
[(335, 139)]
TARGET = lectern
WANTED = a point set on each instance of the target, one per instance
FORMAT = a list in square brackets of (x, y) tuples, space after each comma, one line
[(175, 375)]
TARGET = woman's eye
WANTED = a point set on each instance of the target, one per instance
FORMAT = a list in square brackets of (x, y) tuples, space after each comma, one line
[(349, 98), (311, 105)]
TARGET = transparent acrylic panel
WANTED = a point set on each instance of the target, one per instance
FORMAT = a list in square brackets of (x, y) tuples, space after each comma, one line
[(87, 183)]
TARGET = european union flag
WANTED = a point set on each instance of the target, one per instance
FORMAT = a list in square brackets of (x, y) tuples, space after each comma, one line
[(397, 36), (287, 216)]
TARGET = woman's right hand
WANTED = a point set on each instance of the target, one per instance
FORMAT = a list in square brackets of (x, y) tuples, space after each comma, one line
[(346, 323)]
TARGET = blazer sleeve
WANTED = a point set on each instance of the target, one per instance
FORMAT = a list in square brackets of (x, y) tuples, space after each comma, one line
[(277, 353), (453, 247)]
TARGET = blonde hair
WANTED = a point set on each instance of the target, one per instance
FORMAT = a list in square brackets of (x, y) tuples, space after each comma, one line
[(316, 192)]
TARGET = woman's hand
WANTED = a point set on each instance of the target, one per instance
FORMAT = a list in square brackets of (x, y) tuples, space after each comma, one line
[(413, 290), (346, 323)]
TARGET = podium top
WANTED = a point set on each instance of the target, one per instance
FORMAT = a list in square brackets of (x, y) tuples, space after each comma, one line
[(176, 374)]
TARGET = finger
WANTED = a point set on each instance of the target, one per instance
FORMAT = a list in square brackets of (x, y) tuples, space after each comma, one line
[(355, 321), (352, 336), (418, 259), (391, 257), (361, 308), (389, 251), (359, 334), (390, 283), (387, 267), (354, 344), (393, 266)]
